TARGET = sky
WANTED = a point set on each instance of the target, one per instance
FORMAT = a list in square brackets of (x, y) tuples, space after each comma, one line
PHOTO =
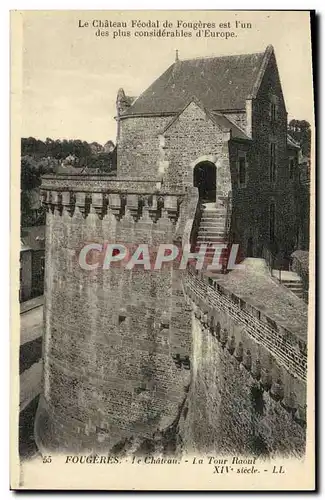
[(70, 77)]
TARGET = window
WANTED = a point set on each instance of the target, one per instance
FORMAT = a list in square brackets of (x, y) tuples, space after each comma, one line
[(272, 221), (291, 168), (242, 170), (273, 112), (273, 160)]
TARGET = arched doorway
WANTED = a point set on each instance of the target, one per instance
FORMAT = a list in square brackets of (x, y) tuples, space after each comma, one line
[(205, 179)]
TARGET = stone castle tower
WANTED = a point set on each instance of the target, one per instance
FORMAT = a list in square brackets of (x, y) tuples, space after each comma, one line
[(130, 354)]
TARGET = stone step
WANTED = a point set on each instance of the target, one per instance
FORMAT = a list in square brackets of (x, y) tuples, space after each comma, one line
[(212, 246), (209, 222), (213, 232), (293, 289), (211, 238), (214, 213), (212, 207), (212, 228), (209, 250), (212, 222), (293, 284)]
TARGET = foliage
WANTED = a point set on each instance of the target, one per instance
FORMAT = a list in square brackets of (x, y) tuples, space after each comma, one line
[(55, 149), (301, 133), (43, 157), (31, 171)]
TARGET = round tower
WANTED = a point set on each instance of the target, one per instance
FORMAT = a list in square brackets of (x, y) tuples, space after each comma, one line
[(111, 335)]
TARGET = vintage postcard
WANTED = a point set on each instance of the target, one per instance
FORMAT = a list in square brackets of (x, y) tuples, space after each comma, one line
[(163, 250)]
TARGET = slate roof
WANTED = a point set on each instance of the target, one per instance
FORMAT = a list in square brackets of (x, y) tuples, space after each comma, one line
[(221, 83), (227, 124)]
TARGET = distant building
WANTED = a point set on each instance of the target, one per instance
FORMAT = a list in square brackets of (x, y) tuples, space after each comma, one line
[(32, 257), (31, 206), (69, 160), (109, 146), (25, 272)]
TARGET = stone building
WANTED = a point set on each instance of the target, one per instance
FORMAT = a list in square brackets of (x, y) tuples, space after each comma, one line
[(145, 360), (219, 123), (32, 262)]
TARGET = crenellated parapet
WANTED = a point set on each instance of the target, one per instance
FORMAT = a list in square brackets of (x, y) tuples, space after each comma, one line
[(115, 340), (274, 357), (102, 195)]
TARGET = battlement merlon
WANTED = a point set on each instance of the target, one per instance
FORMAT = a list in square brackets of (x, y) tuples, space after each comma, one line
[(274, 352), (99, 193)]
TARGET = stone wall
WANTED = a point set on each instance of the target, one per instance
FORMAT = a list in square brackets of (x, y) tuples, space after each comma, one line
[(151, 360), (193, 137), (300, 265), (248, 388), (148, 150), (251, 203), (116, 340), (282, 191), (37, 272), (25, 290), (137, 153), (244, 205)]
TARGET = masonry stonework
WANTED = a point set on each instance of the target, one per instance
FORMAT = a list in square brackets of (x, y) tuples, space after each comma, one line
[(138, 146), (244, 396), (111, 377), (168, 360), (186, 138)]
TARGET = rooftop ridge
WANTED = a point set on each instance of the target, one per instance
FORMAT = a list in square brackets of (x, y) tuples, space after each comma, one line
[(220, 56), (219, 81)]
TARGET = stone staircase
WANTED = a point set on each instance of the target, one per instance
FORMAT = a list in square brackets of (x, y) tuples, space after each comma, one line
[(290, 280), (212, 228)]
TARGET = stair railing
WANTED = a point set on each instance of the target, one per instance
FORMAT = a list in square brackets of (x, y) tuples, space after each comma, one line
[(273, 263), (196, 225), (228, 216)]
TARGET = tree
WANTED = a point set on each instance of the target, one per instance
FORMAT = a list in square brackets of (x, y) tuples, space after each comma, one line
[(301, 133)]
